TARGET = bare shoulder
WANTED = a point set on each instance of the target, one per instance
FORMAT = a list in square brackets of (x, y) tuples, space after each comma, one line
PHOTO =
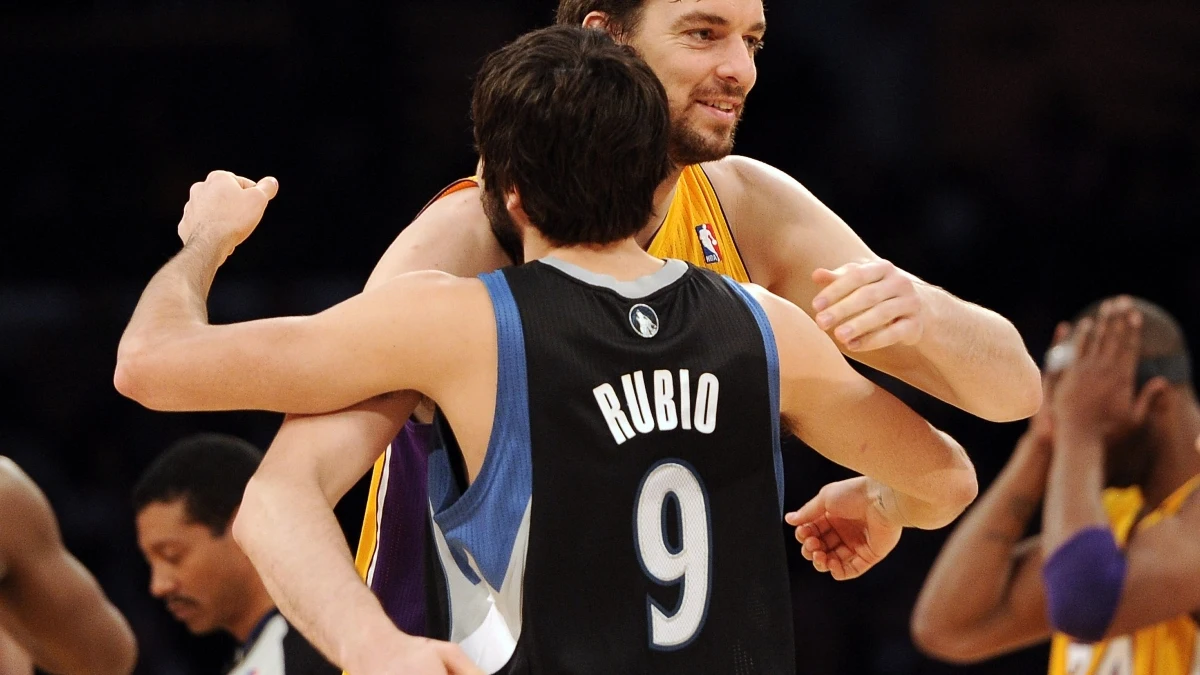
[(742, 180), (452, 234), (459, 214), (24, 503), (17, 490), (783, 231)]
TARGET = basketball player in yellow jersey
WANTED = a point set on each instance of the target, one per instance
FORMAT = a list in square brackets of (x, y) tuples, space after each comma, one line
[(1114, 577)]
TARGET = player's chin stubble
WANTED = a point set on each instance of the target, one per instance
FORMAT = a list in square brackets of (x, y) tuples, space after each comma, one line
[(689, 146)]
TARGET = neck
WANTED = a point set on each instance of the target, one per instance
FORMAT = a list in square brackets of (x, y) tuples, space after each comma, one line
[(663, 197), (258, 604), (626, 259), (623, 260), (1178, 460)]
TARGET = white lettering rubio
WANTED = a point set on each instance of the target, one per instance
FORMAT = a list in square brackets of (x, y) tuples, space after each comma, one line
[(661, 412)]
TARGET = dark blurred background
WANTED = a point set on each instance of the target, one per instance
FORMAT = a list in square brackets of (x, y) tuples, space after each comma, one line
[(1028, 155)]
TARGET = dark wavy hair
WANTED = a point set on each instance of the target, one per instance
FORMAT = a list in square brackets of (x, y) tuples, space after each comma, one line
[(578, 126)]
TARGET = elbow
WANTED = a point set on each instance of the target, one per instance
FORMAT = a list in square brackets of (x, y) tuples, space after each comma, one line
[(125, 655), (957, 493), (1028, 399), (938, 641), (1025, 396), (127, 374), (249, 513), (956, 488), (133, 376), (961, 486), (146, 376), (963, 492), (120, 652)]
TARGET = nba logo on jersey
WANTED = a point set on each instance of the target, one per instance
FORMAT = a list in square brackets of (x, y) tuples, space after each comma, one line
[(708, 243)]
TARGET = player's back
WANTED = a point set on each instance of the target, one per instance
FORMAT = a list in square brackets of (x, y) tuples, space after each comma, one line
[(626, 518), (392, 555)]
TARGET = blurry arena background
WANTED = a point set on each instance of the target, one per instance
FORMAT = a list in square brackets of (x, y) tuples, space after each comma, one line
[(1030, 155)]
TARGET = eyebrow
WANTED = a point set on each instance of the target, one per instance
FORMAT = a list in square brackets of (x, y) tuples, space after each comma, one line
[(159, 546), (700, 16)]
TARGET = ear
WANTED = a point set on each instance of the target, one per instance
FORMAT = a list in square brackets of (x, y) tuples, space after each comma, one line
[(516, 211), (597, 20), (1150, 394)]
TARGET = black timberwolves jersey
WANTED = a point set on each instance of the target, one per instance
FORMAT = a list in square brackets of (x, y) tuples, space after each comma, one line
[(627, 515)]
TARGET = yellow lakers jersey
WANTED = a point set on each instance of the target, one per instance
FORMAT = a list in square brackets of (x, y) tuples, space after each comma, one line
[(694, 230), (1168, 648)]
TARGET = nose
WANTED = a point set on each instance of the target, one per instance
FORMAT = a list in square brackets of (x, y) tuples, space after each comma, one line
[(162, 582), (738, 65)]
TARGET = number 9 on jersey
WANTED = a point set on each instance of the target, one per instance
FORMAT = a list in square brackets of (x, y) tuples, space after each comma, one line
[(672, 489)]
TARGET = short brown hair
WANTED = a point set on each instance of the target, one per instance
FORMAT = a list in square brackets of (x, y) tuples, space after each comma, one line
[(623, 15), (576, 124)]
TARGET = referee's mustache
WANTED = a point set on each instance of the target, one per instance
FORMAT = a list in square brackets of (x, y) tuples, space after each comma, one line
[(174, 602)]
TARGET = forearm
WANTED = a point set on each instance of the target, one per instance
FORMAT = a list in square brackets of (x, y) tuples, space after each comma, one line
[(975, 359), (175, 300), (1074, 499), (61, 615), (297, 546), (916, 512), (910, 511), (975, 571), (937, 496)]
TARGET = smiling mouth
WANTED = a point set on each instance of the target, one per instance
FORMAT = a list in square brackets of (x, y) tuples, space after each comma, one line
[(722, 106)]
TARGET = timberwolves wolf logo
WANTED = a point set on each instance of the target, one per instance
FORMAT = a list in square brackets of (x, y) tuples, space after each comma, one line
[(708, 243), (643, 320)]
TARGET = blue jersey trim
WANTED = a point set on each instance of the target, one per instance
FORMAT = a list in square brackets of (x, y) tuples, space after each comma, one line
[(772, 351), (485, 519)]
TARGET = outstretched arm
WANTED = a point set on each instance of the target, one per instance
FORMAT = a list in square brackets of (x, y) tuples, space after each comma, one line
[(957, 351), (49, 603)]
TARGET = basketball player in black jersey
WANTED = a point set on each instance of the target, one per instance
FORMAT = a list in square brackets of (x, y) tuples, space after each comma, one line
[(53, 614), (617, 503)]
